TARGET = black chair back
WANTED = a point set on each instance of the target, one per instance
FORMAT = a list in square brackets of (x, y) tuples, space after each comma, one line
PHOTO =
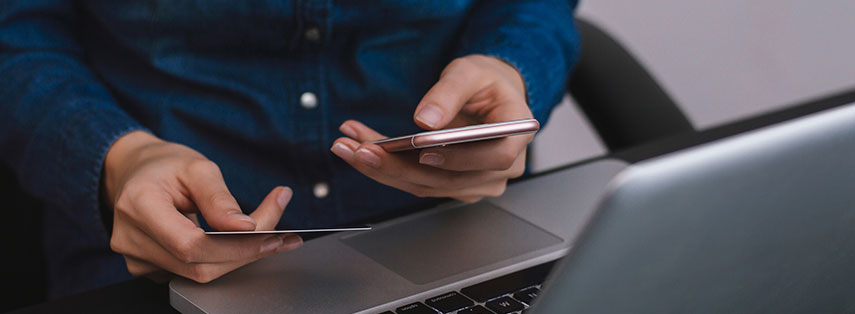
[(623, 102)]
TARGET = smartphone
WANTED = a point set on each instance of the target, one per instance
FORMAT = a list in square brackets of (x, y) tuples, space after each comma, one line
[(305, 230), (465, 134)]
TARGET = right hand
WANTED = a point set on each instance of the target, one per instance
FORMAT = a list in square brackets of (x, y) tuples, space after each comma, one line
[(156, 188)]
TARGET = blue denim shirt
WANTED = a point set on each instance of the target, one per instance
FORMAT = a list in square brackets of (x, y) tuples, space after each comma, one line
[(226, 78)]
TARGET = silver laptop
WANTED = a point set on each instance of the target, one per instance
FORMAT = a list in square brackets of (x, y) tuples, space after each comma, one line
[(492, 256), (411, 259), (763, 222)]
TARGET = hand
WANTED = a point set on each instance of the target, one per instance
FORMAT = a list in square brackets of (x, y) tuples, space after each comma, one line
[(156, 188), (471, 90)]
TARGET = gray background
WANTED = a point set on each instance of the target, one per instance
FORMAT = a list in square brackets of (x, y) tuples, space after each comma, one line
[(720, 60)]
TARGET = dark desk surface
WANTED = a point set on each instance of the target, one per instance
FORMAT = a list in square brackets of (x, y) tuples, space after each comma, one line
[(143, 296)]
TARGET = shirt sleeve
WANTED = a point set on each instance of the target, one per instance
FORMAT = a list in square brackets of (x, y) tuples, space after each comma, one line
[(537, 37), (56, 119)]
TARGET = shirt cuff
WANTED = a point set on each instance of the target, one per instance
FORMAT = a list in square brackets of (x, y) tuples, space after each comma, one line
[(68, 153), (533, 70)]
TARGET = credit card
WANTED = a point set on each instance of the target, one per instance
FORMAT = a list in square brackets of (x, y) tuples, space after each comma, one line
[(349, 228)]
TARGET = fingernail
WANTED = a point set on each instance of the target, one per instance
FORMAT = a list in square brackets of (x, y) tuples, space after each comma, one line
[(241, 216), (432, 159), (291, 241), (342, 151), (367, 157), (347, 130), (284, 197), (271, 244), (430, 115)]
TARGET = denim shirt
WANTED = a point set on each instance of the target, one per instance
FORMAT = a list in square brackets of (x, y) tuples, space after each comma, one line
[(259, 87)]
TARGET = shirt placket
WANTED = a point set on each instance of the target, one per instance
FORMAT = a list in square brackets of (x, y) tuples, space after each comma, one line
[(314, 103)]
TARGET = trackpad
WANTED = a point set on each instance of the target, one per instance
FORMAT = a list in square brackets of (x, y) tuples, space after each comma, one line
[(451, 241)]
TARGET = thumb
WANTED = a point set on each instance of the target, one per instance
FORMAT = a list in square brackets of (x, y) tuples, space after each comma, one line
[(208, 190), (270, 210), (458, 82)]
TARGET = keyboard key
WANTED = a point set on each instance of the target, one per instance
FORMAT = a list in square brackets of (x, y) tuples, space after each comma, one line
[(415, 308), (505, 305), (475, 310), (508, 283), (527, 295), (449, 302)]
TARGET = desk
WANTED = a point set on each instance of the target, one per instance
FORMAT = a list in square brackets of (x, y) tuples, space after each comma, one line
[(143, 296)]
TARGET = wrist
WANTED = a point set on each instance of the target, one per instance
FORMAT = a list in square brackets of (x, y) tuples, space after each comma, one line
[(120, 158), (511, 72)]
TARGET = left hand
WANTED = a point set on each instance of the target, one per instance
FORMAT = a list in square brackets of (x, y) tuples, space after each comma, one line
[(471, 90)]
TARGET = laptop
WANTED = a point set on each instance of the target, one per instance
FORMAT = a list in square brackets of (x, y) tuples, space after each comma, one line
[(672, 234), (763, 222)]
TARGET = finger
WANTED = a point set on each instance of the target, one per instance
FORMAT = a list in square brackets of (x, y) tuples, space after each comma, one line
[(459, 81), (467, 194), (344, 148), (200, 272), (193, 218), (359, 131), (270, 210), (497, 154), (151, 213), (204, 182), (169, 229), (469, 199), (229, 250), (379, 164), (406, 174)]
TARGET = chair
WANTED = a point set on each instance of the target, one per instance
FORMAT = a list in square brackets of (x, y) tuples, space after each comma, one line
[(622, 101)]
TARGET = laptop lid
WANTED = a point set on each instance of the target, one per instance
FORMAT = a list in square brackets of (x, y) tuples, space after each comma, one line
[(760, 222)]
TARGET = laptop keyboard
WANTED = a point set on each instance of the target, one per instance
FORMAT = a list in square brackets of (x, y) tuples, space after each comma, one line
[(511, 293)]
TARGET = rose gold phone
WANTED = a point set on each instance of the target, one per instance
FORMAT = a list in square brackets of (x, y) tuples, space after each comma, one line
[(466, 134)]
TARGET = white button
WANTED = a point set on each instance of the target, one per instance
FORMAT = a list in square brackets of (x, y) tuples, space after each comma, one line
[(321, 190), (312, 34), (308, 100)]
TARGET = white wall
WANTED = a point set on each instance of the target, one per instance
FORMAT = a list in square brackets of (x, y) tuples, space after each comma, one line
[(720, 60)]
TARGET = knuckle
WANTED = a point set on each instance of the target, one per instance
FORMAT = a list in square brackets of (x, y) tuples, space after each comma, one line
[(516, 172), (462, 63), (202, 273), (135, 269), (116, 245), (222, 199), (505, 160), (185, 249), (471, 199), (499, 189), (122, 206), (455, 181), (393, 172), (119, 241), (132, 193), (420, 193), (202, 166), (427, 192)]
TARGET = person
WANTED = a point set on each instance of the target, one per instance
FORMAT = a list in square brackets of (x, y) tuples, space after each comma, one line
[(139, 123)]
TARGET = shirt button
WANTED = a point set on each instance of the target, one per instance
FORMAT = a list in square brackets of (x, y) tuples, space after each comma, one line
[(313, 34), (321, 189), (308, 100)]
